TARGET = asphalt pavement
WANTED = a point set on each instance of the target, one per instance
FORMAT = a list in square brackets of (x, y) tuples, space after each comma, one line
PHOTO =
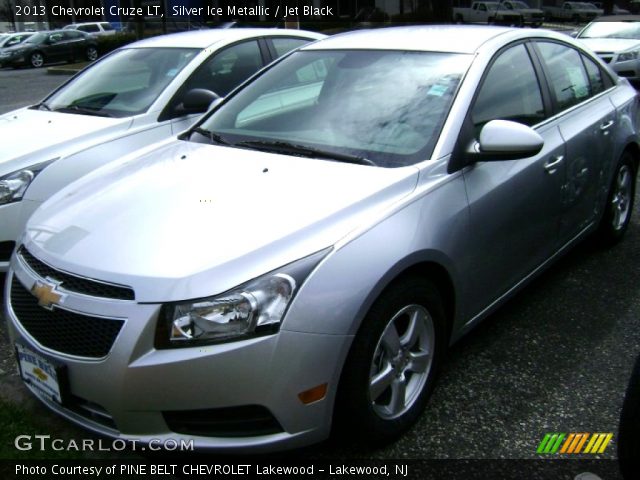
[(25, 86), (556, 358)]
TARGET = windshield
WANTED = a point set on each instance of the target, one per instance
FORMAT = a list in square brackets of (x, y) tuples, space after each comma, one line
[(492, 6), (36, 38), (386, 107), (125, 83), (626, 30), (519, 5)]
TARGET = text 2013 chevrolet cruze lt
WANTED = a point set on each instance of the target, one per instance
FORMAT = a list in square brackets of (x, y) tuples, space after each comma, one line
[(303, 255)]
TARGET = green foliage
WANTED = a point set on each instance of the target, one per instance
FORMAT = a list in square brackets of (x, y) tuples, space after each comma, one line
[(111, 42)]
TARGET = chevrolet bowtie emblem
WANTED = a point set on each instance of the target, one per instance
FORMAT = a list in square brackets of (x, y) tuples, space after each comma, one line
[(46, 294)]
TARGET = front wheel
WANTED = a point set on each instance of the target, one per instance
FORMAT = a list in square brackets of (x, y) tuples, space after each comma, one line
[(92, 53), (391, 368), (36, 60), (617, 213)]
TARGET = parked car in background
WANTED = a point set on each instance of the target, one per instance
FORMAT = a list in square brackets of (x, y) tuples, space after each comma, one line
[(11, 40), (530, 16), (572, 11), (136, 95), (97, 29), (302, 257), (486, 12), (47, 47), (616, 39)]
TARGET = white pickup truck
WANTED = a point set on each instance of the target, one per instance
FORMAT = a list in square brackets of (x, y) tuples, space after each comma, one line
[(530, 16), (573, 11), (487, 12)]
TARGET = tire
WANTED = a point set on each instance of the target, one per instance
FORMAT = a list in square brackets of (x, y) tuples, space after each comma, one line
[(36, 60), (92, 53), (459, 19), (617, 212), (575, 19), (491, 21), (390, 371)]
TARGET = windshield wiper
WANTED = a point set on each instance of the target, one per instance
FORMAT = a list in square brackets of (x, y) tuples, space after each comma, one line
[(291, 148), (82, 111), (213, 136)]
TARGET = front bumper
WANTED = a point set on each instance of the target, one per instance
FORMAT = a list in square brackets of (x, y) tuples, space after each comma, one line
[(13, 61), (136, 391), (629, 69)]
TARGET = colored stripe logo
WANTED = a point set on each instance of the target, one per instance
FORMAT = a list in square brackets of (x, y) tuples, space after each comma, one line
[(574, 443)]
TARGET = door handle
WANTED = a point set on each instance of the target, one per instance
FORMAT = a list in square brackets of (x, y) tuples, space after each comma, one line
[(606, 126), (551, 165)]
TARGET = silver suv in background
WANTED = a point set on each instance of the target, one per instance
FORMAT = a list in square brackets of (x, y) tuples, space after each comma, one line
[(97, 29), (303, 256)]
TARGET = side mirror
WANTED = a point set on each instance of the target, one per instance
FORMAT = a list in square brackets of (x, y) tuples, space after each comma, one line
[(574, 34), (198, 100), (506, 140)]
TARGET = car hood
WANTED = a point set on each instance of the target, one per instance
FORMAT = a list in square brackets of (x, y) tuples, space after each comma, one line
[(33, 136), (609, 44), (190, 220)]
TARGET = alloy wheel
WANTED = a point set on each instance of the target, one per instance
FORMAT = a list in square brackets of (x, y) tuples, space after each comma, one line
[(401, 362)]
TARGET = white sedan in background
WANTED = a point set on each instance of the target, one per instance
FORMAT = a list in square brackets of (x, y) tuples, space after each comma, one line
[(616, 39), (136, 96)]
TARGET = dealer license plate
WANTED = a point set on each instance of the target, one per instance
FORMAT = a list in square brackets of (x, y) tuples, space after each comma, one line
[(40, 372)]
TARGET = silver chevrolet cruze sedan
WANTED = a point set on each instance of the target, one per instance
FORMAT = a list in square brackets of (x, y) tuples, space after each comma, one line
[(301, 258)]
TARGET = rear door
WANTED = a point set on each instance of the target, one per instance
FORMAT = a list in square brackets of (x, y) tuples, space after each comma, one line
[(586, 118), (56, 48)]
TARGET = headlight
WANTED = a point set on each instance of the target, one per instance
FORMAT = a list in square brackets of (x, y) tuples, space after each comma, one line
[(631, 55), (254, 308), (13, 185)]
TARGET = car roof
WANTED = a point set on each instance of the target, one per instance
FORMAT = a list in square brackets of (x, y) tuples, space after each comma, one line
[(206, 38), (433, 38), (618, 18)]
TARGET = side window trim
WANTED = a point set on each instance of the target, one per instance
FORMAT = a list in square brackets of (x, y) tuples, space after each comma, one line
[(264, 51)]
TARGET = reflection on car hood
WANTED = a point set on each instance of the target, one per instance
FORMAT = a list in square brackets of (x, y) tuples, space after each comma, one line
[(31, 136), (200, 219), (603, 45)]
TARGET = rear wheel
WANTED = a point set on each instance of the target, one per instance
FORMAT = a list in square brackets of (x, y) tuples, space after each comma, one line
[(459, 19), (391, 368), (92, 53), (36, 59), (620, 199)]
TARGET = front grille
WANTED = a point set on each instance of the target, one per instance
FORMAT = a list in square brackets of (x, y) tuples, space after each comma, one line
[(71, 283), (6, 249), (245, 421), (63, 331)]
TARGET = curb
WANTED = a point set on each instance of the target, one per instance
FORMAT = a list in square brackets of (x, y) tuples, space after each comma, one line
[(66, 69)]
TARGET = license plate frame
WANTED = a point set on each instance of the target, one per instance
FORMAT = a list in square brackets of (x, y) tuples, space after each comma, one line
[(47, 376)]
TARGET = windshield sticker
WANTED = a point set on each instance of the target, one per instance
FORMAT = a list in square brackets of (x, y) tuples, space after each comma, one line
[(438, 90)]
